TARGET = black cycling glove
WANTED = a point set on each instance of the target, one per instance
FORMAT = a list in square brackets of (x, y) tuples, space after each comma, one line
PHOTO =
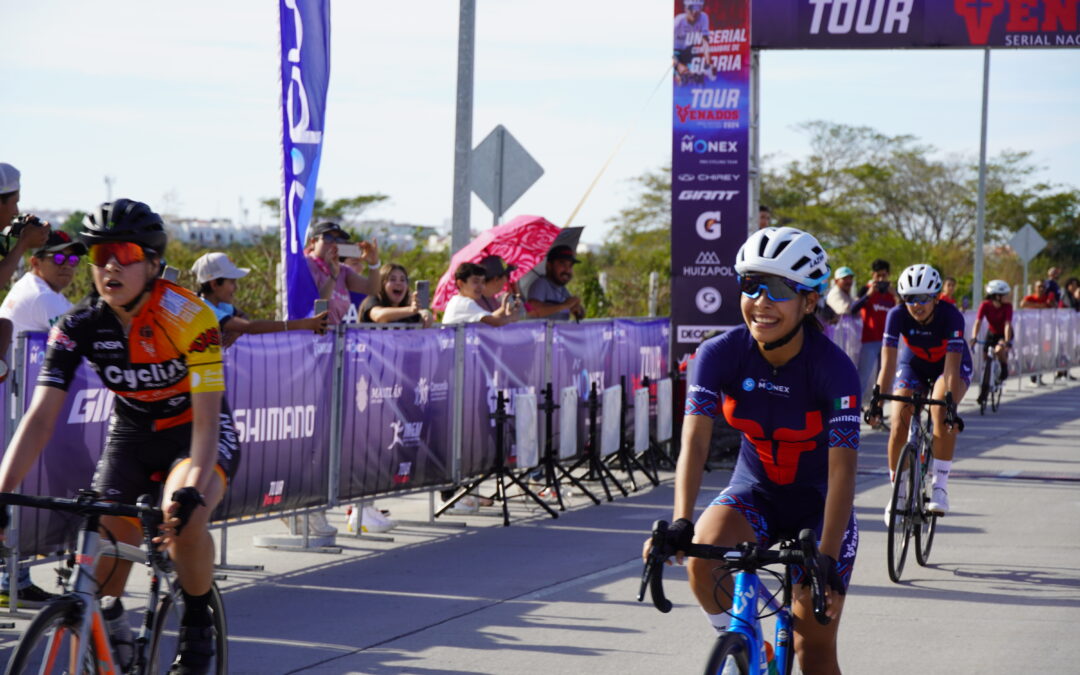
[(827, 565), (5, 517), (188, 498), (680, 535)]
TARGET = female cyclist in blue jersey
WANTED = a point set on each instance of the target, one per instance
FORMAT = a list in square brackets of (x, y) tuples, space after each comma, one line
[(934, 358), (794, 395)]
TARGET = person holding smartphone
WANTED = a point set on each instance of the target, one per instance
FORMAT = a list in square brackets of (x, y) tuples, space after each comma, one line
[(875, 300), (334, 280), (393, 303)]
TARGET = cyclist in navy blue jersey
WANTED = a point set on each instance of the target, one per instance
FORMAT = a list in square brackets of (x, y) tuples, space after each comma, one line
[(933, 358), (794, 395)]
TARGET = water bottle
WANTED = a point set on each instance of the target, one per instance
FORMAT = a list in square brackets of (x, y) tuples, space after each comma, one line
[(770, 658)]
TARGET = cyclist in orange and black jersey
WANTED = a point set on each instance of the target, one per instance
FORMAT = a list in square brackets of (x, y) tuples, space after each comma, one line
[(157, 346)]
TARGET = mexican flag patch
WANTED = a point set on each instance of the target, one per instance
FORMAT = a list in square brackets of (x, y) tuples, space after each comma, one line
[(844, 403)]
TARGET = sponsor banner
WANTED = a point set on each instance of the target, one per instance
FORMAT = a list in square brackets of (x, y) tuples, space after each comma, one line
[(847, 334), (396, 410), (641, 350), (305, 75), (507, 359), (582, 356), (710, 155), (893, 24)]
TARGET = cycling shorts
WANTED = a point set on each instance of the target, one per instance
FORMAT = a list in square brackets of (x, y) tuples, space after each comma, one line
[(992, 339), (136, 462), (773, 521), (921, 380)]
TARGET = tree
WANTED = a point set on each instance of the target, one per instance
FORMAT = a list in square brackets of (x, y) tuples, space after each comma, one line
[(74, 223), (343, 210)]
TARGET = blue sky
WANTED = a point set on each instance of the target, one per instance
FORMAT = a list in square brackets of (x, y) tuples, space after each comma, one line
[(178, 102)]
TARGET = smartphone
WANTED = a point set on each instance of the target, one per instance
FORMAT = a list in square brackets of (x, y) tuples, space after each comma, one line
[(321, 306), (423, 294), (348, 251), (170, 274)]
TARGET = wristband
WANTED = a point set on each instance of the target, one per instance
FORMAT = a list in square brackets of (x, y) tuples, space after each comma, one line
[(375, 265)]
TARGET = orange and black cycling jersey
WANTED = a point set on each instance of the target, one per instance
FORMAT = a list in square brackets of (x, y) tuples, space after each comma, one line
[(172, 350)]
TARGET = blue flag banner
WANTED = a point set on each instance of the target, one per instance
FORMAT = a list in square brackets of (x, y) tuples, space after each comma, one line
[(305, 75)]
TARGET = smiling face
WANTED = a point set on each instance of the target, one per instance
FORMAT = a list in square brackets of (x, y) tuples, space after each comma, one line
[(770, 320), (224, 290), (396, 286), (923, 312), (560, 270), (119, 284), (472, 287)]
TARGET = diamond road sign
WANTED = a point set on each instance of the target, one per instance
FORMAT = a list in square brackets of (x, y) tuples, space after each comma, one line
[(1027, 243), (501, 171)]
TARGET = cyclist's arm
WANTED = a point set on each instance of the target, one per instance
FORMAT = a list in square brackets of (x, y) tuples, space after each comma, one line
[(951, 372), (205, 419), (30, 438), (696, 434), (839, 500), (888, 369), (1008, 331), (975, 329)]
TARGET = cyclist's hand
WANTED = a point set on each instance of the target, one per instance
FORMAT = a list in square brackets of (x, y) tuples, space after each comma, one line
[(680, 535), (5, 520), (178, 512)]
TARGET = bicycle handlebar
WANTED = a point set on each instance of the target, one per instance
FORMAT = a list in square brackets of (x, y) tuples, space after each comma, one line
[(917, 399), (747, 557)]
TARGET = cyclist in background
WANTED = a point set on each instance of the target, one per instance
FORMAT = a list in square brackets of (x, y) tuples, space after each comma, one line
[(794, 395), (999, 329), (934, 360), (157, 346)]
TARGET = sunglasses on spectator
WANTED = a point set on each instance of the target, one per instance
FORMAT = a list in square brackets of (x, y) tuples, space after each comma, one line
[(60, 258), (778, 289), (918, 298), (334, 238), (125, 253)]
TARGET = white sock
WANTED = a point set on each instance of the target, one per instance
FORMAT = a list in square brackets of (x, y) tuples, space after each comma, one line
[(941, 473), (719, 622)]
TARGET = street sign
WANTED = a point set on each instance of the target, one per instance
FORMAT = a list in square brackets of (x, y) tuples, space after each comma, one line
[(501, 171), (1027, 243)]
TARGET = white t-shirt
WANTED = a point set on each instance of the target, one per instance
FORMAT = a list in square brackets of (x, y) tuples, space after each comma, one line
[(33, 305), (463, 310)]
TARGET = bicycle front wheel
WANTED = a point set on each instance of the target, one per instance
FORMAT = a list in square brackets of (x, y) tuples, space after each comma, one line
[(730, 656), (924, 534), (51, 643), (900, 513), (164, 639), (995, 393)]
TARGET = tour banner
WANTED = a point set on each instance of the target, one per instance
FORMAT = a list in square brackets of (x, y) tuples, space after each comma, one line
[(582, 355), (709, 165), (893, 24), (305, 75), (396, 410), (507, 359), (279, 389), (641, 350)]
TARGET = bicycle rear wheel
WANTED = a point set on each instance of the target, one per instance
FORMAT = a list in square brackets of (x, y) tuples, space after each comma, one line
[(901, 507), (730, 656), (51, 640), (924, 533), (987, 384), (164, 639), (995, 393)]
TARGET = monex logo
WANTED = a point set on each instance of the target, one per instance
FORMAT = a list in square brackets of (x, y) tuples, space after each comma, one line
[(689, 143)]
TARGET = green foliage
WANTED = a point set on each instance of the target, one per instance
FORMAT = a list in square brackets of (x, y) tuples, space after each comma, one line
[(74, 223), (341, 210)]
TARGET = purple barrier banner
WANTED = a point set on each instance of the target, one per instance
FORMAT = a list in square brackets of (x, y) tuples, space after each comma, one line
[(305, 77), (581, 355), (641, 350), (709, 166), (278, 387), (396, 410), (509, 359), (847, 334), (894, 24)]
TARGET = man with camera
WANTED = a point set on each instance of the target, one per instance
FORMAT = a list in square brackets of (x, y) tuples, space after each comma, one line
[(26, 230), (875, 300)]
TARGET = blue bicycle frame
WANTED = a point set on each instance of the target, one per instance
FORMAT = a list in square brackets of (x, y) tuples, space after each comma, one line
[(746, 598)]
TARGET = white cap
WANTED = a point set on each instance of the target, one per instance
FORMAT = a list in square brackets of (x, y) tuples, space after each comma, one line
[(216, 266), (9, 178)]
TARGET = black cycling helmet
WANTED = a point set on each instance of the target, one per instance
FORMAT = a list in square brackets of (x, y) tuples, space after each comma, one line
[(125, 220)]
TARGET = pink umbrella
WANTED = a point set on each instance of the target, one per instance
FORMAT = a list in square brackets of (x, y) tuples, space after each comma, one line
[(524, 241)]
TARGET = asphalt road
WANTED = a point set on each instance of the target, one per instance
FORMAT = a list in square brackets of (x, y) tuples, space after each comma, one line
[(1001, 593)]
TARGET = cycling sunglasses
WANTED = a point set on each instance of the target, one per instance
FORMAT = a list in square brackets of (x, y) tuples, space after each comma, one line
[(918, 298), (778, 289), (125, 252), (61, 258)]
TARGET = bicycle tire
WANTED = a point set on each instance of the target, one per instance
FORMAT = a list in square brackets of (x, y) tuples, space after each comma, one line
[(924, 533), (731, 655), (31, 654), (985, 389), (995, 393), (900, 524), (162, 647)]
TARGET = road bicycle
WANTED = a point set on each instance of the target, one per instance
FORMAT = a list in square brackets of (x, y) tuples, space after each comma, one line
[(742, 649), (992, 387), (68, 635), (912, 488)]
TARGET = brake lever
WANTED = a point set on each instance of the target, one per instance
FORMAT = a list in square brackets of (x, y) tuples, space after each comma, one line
[(808, 544), (653, 573)]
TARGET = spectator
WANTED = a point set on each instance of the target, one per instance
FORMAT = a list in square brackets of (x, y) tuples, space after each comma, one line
[(764, 217), (465, 308), (334, 280), (217, 278), (548, 295), (840, 298), (875, 300), (948, 291), (30, 234), (496, 276), (1053, 291), (393, 303), (1039, 298), (1071, 297)]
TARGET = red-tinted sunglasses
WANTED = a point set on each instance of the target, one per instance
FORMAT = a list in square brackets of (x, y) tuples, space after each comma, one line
[(125, 252)]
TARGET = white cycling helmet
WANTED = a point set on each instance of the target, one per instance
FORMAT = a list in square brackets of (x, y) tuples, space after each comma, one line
[(920, 278), (693, 3), (997, 287), (786, 252)]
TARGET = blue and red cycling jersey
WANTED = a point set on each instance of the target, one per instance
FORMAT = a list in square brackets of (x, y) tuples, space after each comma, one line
[(789, 416), (924, 347)]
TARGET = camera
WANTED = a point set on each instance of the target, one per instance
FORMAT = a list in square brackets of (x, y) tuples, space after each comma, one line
[(15, 228), (881, 286)]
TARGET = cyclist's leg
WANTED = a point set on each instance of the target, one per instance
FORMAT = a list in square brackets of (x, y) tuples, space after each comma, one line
[(192, 551), (945, 438), (901, 419), (731, 519)]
